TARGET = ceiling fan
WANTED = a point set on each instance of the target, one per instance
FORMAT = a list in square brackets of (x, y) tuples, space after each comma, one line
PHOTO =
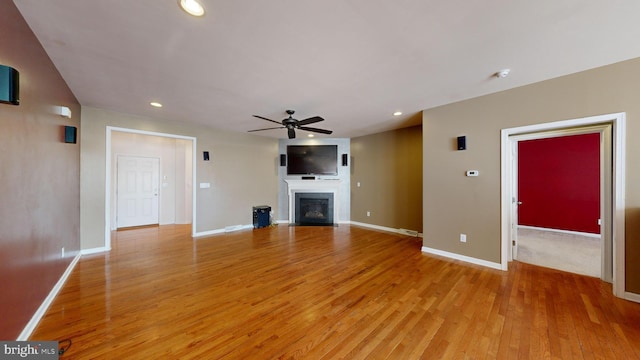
[(292, 124)]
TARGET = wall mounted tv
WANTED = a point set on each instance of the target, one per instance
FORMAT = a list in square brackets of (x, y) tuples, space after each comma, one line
[(312, 160)]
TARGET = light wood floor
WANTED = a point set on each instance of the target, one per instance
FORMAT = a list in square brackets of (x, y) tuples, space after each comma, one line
[(326, 293)]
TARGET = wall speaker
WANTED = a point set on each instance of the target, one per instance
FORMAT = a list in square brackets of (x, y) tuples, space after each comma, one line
[(345, 159), (283, 160), (205, 155), (70, 134), (9, 85), (462, 143)]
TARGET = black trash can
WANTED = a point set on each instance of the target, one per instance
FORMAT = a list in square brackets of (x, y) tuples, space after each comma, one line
[(261, 215)]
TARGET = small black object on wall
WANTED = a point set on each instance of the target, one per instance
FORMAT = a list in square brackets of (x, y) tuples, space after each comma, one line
[(462, 143), (345, 159), (9, 85), (283, 160), (70, 134), (205, 155)]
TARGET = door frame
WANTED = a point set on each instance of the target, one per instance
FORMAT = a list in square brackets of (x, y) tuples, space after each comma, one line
[(618, 122), (108, 174), (605, 192)]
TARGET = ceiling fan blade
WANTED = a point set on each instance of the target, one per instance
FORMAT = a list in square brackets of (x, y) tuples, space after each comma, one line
[(280, 127), (292, 133), (322, 131), (310, 120), (264, 118)]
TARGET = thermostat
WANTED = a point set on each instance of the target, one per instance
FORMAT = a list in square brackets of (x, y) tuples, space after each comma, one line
[(473, 172)]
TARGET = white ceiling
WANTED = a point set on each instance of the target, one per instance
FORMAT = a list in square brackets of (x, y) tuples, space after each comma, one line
[(353, 62)]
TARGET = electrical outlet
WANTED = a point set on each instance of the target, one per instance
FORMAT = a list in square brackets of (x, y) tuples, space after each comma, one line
[(463, 238), (368, 213), (62, 252)]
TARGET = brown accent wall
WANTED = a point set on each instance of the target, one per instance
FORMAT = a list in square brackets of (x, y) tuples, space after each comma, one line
[(39, 178), (388, 166), (455, 204)]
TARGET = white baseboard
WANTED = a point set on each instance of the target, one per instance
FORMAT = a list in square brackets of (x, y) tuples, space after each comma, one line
[(237, 228), (384, 228), (597, 236), (207, 233), (464, 258), (95, 250), (632, 297), (222, 231), (37, 316)]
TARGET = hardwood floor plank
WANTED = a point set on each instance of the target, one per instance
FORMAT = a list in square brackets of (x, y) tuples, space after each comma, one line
[(326, 293)]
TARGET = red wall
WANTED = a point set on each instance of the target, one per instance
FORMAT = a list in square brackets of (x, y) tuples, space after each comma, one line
[(39, 178), (559, 183)]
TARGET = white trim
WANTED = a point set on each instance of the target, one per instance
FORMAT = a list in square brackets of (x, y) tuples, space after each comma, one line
[(37, 316), (569, 232), (618, 199), (489, 264), (632, 297), (222, 231), (618, 208), (107, 196), (95, 250), (207, 233), (383, 228)]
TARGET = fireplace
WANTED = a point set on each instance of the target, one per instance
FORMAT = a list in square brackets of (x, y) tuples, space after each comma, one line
[(326, 188), (314, 208)]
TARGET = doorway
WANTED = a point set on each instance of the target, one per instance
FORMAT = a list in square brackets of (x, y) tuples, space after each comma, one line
[(613, 217), (560, 193), (177, 174)]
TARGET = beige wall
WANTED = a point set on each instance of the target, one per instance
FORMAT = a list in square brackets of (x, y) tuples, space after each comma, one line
[(455, 204), (39, 178), (242, 172), (388, 167)]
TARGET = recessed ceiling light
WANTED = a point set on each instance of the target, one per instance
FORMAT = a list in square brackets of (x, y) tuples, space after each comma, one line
[(192, 7), (310, 135), (155, 104), (397, 113)]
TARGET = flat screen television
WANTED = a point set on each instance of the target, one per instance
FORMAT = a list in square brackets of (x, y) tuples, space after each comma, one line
[(312, 160)]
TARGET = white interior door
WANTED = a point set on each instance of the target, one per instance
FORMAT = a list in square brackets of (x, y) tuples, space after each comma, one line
[(137, 191)]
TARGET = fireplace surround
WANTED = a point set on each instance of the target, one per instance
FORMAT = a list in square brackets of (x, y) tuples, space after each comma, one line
[(325, 188)]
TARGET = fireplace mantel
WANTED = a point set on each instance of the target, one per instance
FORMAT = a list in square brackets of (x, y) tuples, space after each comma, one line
[(318, 186)]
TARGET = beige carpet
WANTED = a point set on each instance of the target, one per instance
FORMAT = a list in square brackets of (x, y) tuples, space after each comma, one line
[(568, 252)]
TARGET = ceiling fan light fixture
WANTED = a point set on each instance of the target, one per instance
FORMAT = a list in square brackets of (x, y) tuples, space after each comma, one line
[(192, 7)]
